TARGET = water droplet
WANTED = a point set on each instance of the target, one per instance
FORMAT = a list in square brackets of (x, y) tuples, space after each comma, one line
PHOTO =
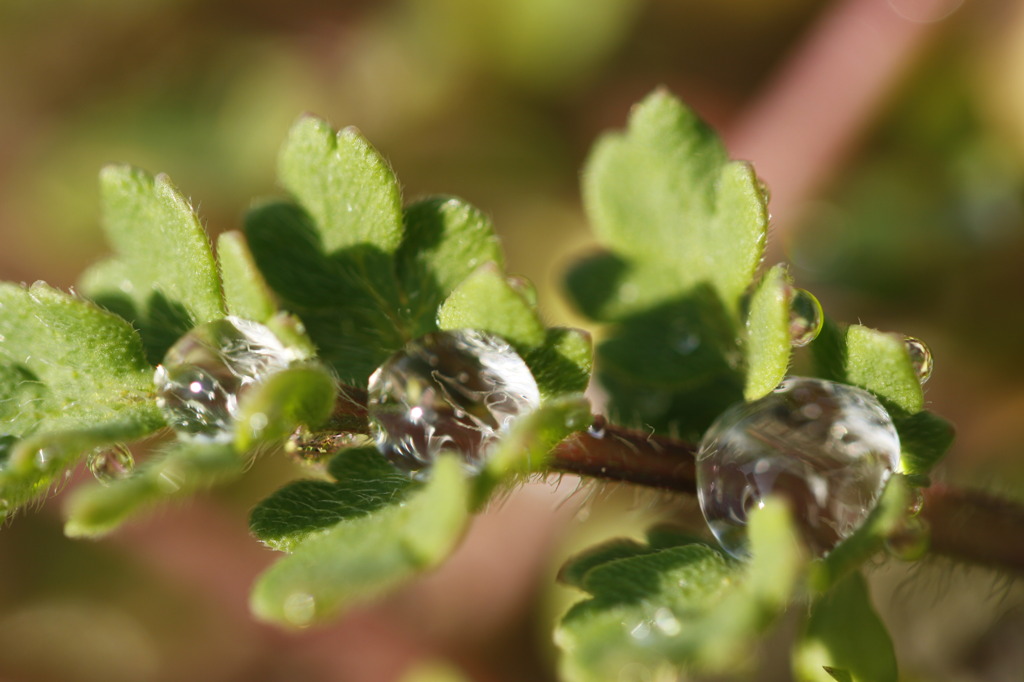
[(667, 622), (599, 428), (418, 407), (110, 464), (805, 317), (916, 502), (641, 630), (204, 373), (776, 446), (920, 358), (910, 541), (299, 608)]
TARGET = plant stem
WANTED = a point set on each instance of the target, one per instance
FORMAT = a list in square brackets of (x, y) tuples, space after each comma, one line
[(965, 525)]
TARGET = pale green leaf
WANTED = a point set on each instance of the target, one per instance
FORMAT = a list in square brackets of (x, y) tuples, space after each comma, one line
[(845, 634), (665, 194), (162, 278), (768, 343), (360, 558), (246, 293), (670, 608), (275, 407), (879, 362), (97, 509), (486, 301), (82, 381)]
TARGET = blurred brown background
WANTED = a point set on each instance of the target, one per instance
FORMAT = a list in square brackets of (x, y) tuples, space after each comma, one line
[(890, 132)]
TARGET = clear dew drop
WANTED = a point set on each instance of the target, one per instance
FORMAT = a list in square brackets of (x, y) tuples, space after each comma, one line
[(920, 358), (805, 317), (910, 541), (299, 608), (827, 448), (455, 391), (110, 464), (204, 373)]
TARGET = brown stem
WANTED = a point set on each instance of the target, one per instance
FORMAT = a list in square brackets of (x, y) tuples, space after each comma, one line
[(619, 454), (972, 526), (965, 525)]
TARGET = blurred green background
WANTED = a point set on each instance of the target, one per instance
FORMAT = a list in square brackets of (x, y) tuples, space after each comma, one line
[(890, 132)]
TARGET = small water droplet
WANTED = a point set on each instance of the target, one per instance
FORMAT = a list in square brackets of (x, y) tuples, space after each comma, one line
[(805, 317), (687, 343), (299, 608), (110, 464), (418, 407), (641, 630), (599, 428), (203, 374), (910, 541), (920, 358), (667, 622), (916, 502), (775, 446)]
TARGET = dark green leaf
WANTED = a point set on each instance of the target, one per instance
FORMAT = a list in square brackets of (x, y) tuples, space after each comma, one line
[(924, 439), (365, 483), (360, 558), (162, 278), (677, 607), (445, 241)]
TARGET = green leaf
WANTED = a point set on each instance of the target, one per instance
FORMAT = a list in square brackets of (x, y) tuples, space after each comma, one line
[(344, 185), (669, 608), (372, 278), (162, 278), (94, 510), (665, 194), (672, 367), (684, 229), (445, 241), (486, 301), (879, 362), (559, 358), (246, 293), (364, 483), (769, 344), (845, 634), (924, 439), (84, 371), (360, 558), (275, 407)]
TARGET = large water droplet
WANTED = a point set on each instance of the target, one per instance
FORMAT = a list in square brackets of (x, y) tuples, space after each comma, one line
[(827, 448), (805, 317), (204, 373), (454, 391), (110, 464), (920, 358)]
